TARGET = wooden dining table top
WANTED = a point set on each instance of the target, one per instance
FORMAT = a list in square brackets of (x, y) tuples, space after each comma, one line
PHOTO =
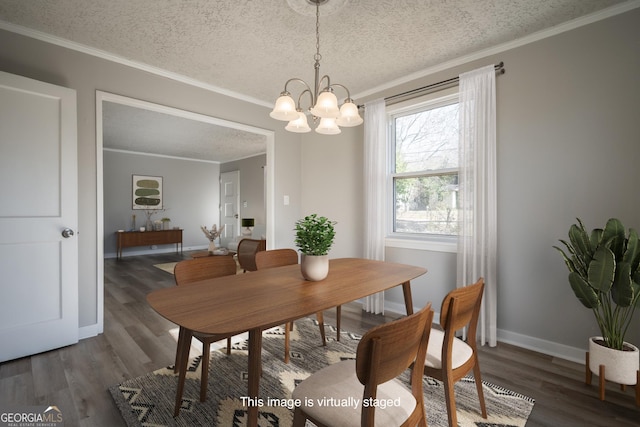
[(271, 297)]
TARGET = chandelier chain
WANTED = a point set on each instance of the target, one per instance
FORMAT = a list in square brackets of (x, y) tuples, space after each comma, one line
[(317, 56)]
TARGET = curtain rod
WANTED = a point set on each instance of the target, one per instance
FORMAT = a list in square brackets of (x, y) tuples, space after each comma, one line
[(414, 93)]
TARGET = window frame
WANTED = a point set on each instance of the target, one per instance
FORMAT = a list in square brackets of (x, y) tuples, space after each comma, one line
[(430, 242)]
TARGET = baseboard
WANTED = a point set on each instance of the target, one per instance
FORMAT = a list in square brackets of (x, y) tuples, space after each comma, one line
[(137, 252), (549, 348), (89, 331), (572, 354)]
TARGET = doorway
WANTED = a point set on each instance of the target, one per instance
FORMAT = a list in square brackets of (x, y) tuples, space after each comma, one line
[(105, 100)]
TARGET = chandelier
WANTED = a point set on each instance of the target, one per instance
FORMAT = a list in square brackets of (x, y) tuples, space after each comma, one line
[(324, 103)]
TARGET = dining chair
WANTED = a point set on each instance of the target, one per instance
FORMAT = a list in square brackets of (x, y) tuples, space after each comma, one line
[(281, 257), (247, 249), (278, 258), (190, 271), (450, 358), (384, 352)]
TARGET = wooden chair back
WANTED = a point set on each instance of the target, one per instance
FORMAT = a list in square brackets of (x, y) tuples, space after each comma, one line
[(194, 270), (247, 249), (276, 258), (386, 351), (187, 272), (460, 308)]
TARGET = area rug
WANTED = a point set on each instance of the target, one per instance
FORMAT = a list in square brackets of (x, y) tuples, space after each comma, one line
[(149, 400), (167, 266)]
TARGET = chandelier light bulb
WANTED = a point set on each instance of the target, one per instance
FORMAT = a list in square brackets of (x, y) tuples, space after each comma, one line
[(285, 108), (328, 126), (326, 105), (299, 125), (349, 115)]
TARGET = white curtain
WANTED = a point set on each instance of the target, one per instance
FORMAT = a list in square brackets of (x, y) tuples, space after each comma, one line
[(375, 149), (477, 248)]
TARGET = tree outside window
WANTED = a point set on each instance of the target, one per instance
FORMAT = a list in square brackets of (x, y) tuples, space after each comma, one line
[(425, 170)]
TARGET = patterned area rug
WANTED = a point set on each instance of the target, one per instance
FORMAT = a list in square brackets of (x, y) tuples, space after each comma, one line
[(167, 266), (148, 400)]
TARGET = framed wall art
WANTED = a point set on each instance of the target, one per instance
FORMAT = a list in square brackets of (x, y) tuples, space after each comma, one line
[(147, 192)]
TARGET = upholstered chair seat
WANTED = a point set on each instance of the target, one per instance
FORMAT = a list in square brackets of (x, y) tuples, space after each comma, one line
[(365, 392), (461, 353), (340, 382)]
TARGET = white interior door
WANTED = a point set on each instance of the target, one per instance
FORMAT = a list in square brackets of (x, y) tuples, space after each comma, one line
[(38, 202), (229, 206)]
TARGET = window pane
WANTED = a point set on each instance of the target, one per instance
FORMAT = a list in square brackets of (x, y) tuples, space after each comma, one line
[(426, 205), (427, 140)]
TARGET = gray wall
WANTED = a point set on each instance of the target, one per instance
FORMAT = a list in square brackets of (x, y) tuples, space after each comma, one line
[(191, 196), (332, 183), (86, 73), (568, 145)]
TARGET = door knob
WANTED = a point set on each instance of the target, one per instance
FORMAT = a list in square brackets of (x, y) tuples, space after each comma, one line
[(67, 232)]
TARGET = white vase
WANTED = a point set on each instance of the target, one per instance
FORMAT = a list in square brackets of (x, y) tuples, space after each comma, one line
[(212, 246), (620, 366), (314, 267)]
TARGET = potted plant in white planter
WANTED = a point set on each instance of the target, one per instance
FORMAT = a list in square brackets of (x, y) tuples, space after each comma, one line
[(314, 238), (604, 275)]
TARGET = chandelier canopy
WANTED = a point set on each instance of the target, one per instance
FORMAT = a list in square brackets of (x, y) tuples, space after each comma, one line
[(323, 102)]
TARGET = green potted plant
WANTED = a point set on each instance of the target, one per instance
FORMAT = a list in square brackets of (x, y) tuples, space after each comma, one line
[(314, 237), (165, 223), (604, 275)]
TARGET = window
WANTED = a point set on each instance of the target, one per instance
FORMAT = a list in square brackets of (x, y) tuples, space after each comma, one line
[(424, 169)]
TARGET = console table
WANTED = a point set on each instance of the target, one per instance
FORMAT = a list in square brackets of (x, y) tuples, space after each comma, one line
[(128, 239)]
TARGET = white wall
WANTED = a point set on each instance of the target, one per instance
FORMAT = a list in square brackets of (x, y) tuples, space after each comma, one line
[(568, 145)]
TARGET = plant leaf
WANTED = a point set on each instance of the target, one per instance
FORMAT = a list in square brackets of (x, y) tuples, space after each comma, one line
[(585, 293), (614, 232), (570, 264), (596, 237), (632, 254), (636, 292), (621, 291), (580, 240), (602, 269)]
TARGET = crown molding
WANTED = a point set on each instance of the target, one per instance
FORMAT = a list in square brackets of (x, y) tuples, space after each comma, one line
[(164, 156), (59, 41)]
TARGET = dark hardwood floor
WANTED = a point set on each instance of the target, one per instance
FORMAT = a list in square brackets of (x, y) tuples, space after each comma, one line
[(135, 341)]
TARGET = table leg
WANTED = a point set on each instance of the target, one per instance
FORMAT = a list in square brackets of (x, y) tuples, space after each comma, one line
[(255, 368), (408, 301), (176, 364), (183, 358)]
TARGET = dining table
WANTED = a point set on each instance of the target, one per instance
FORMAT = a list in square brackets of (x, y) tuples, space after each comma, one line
[(255, 301)]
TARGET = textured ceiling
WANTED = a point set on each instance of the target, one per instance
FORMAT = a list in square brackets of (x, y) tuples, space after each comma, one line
[(135, 129), (251, 47)]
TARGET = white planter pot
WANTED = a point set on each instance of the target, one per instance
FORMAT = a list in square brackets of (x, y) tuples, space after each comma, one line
[(314, 267), (620, 366)]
